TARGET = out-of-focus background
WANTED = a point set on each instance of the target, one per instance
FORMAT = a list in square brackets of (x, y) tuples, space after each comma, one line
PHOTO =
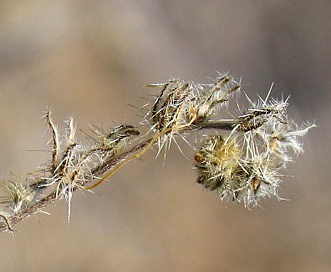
[(90, 59)]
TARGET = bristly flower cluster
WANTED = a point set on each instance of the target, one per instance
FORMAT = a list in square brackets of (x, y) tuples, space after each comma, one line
[(19, 195), (243, 165), (181, 104), (240, 157)]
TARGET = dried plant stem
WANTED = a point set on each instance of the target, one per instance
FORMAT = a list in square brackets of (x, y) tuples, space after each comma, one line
[(109, 166), (243, 165), (11, 221)]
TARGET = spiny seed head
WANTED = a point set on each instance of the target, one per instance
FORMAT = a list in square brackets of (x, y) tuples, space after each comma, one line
[(213, 96), (181, 104), (245, 166), (217, 161), (19, 196), (173, 106), (178, 101), (222, 165)]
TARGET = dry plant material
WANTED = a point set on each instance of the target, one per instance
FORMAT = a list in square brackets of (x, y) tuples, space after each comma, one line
[(240, 157)]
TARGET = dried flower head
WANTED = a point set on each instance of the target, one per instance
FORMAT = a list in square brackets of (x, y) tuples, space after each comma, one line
[(217, 162), (18, 195), (246, 166), (215, 95), (182, 104)]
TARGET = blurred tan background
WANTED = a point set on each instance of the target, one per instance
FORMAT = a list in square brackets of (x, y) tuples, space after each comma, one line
[(90, 59)]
